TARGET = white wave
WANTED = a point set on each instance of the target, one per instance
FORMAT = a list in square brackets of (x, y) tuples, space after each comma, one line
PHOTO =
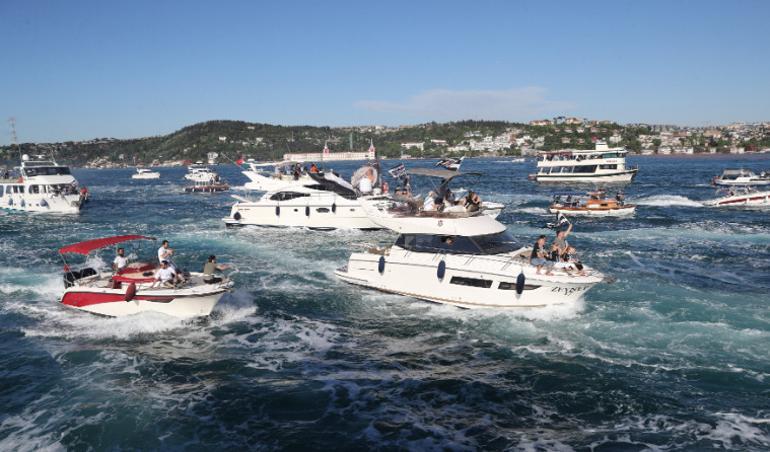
[(668, 201), (533, 210)]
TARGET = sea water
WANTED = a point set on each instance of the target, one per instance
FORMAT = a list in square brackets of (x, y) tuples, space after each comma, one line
[(675, 354)]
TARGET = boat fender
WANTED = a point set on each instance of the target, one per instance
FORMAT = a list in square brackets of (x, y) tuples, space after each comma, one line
[(130, 292), (520, 283), (307, 211), (277, 211), (334, 207), (381, 265), (43, 203), (23, 203), (441, 271), (237, 216)]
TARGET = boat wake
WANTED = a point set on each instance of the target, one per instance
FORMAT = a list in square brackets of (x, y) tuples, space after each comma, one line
[(668, 201)]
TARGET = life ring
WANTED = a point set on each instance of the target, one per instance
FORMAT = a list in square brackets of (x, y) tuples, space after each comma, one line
[(237, 216), (334, 207)]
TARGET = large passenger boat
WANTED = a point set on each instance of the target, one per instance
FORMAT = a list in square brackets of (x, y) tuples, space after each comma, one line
[(601, 165), (41, 186), (467, 260)]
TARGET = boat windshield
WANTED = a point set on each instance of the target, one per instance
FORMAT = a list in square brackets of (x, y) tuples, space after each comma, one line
[(499, 243), (45, 170)]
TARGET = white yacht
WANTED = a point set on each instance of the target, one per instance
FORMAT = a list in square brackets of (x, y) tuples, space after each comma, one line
[(327, 202), (41, 186), (601, 165), (198, 172), (465, 260), (741, 177), (282, 176), (144, 173)]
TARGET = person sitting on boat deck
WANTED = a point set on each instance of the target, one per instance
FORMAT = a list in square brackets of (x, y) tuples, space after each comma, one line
[(472, 202), (314, 168), (120, 261), (537, 258), (620, 198), (210, 268), (166, 275), (573, 260), (560, 242), (429, 204)]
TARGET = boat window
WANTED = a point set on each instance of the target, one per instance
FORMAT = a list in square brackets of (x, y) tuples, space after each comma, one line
[(614, 166), (504, 285), (287, 195), (46, 171), (18, 189), (585, 169), (2, 190), (322, 210), (34, 189), (610, 155), (472, 282), (481, 244)]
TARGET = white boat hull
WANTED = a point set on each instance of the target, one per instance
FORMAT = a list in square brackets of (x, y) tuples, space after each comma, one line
[(112, 303), (756, 199), (741, 182), (611, 177), (319, 211), (42, 203), (416, 275), (146, 176), (572, 211)]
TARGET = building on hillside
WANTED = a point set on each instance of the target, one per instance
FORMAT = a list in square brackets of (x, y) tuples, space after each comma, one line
[(540, 122), (413, 145)]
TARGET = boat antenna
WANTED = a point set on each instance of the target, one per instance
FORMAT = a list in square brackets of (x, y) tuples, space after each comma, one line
[(14, 139)]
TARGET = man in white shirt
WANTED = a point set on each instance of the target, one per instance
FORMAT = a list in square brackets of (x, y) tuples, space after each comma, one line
[(120, 261), (164, 252), (166, 275)]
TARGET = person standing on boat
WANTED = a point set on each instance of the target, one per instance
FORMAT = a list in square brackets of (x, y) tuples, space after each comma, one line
[(120, 261), (165, 253), (560, 242)]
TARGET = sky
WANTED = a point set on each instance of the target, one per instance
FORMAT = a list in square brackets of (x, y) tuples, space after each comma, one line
[(74, 70)]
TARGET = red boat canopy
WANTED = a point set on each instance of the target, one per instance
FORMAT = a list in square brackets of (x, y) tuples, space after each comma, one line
[(90, 245)]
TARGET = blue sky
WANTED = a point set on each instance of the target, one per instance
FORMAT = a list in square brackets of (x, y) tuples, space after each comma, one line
[(81, 69)]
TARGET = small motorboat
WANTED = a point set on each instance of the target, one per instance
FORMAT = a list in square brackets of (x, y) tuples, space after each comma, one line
[(134, 289), (144, 173), (595, 204), (740, 197), (741, 177), (452, 164)]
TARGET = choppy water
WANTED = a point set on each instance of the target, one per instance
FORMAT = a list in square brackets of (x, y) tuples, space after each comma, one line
[(674, 355)]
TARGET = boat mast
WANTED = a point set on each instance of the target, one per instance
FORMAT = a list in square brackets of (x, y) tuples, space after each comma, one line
[(14, 140)]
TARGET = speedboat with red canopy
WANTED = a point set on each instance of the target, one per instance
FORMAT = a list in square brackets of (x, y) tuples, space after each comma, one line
[(134, 288)]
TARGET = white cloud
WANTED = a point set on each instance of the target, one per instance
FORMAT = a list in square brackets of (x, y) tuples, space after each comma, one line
[(516, 104)]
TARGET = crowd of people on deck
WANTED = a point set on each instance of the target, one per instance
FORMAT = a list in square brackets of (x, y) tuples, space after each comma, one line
[(559, 255), (168, 274), (436, 202)]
